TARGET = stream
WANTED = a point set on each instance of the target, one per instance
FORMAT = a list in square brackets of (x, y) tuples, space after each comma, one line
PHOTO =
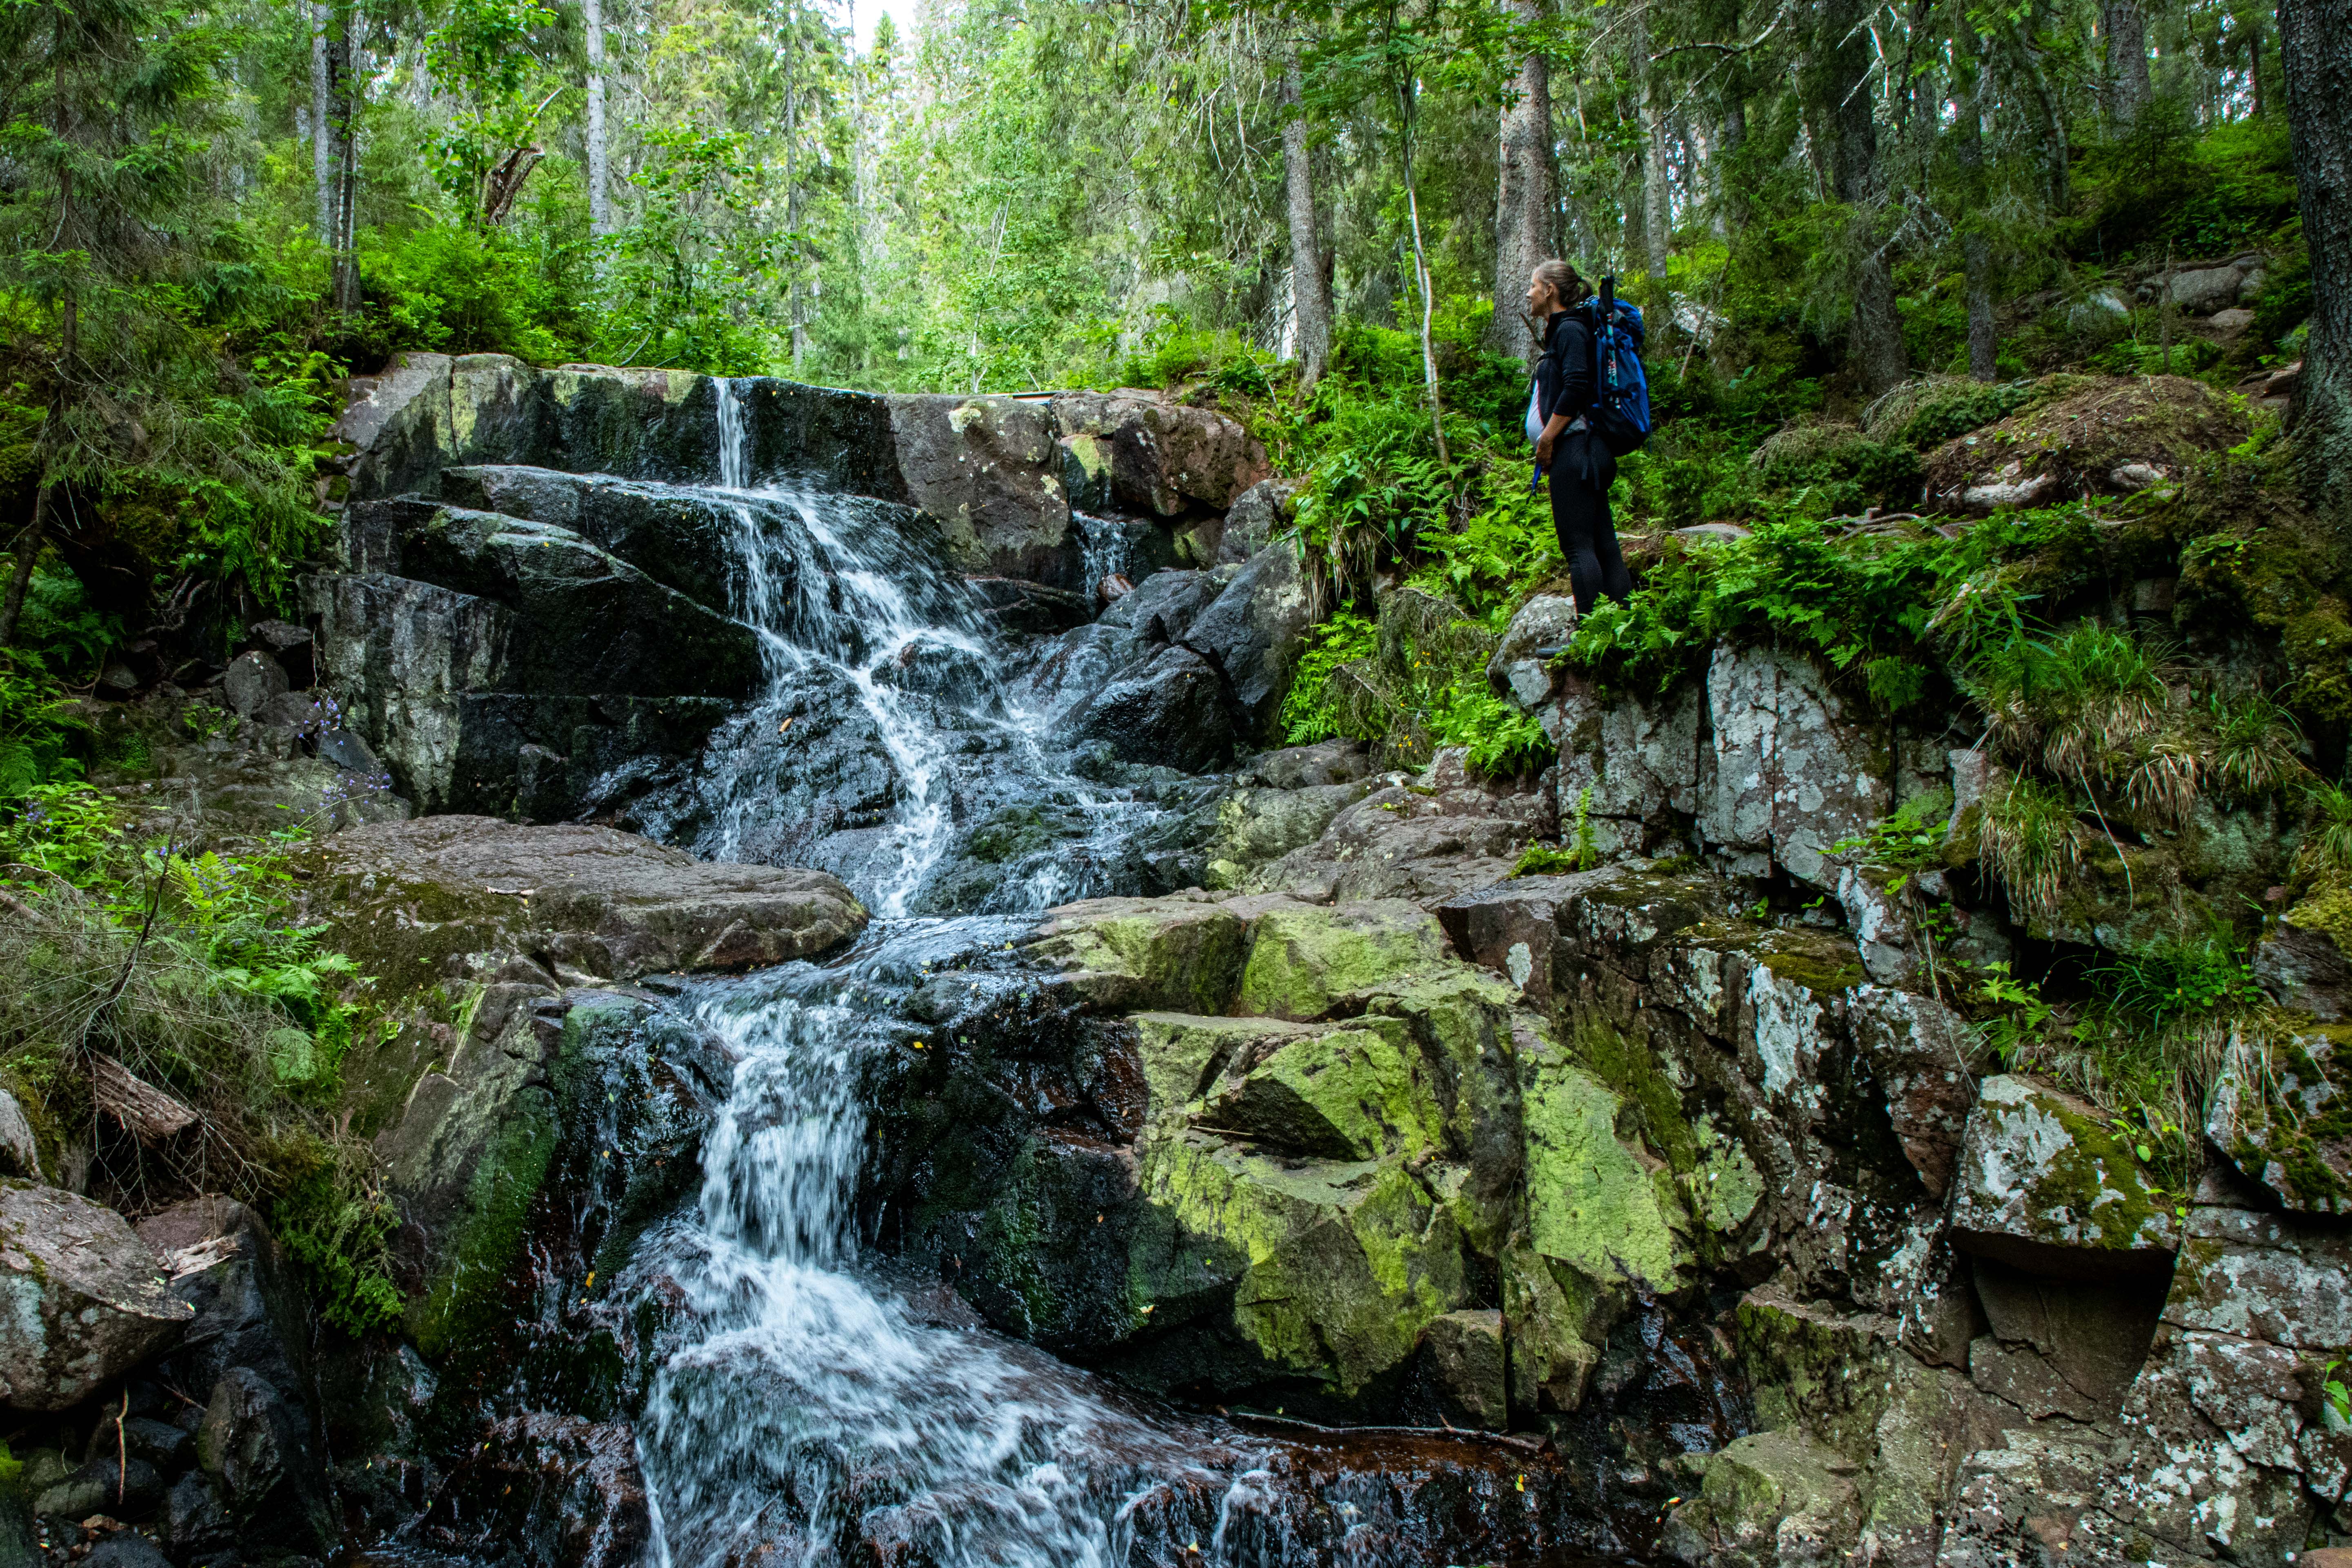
[(808, 1404)]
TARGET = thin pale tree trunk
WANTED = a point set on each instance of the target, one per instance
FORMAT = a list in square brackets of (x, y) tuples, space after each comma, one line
[(600, 194), (1310, 283), (1421, 272), (1526, 202), (1657, 196), (2315, 68), (322, 114)]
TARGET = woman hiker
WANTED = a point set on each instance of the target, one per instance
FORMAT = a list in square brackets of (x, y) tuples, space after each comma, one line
[(1567, 451)]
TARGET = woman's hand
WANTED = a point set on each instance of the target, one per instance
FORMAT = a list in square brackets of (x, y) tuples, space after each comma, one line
[(1543, 451)]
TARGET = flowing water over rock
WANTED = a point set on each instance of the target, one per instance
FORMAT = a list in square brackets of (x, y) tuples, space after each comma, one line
[(806, 1404)]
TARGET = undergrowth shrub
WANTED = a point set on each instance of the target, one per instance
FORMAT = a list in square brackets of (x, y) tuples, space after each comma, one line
[(121, 954)]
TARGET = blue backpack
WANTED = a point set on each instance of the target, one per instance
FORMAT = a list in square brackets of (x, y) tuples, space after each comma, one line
[(1620, 412)]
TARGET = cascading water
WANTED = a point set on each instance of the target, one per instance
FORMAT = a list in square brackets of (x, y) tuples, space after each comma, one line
[(805, 1406)]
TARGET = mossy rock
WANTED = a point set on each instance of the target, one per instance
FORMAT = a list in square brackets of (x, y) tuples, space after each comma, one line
[(1305, 957), (1598, 1200), (1344, 1263), (2293, 1134), (1769, 1499), (2043, 1184), (1354, 1092), (1123, 955)]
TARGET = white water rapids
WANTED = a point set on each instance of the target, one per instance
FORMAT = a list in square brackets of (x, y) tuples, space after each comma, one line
[(816, 1406)]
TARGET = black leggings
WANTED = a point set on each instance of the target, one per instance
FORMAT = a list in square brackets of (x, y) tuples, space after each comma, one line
[(1581, 472)]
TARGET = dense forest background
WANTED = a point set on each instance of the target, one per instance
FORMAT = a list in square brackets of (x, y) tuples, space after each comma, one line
[(211, 214)]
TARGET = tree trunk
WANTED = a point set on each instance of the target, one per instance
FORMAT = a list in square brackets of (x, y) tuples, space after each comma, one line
[(1657, 196), (2129, 89), (1310, 283), (1970, 99), (343, 85), (600, 198), (1526, 202), (322, 115), (29, 550), (1843, 87), (2254, 61), (1406, 121), (2316, 67)]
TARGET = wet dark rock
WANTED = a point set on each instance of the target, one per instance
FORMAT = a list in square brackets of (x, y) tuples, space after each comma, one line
[(679, 540), (126, 1548), (1253, 635), (250, 1309), (586, 621), (125, 1487), (252, 1447), (552, 1488), (193, 1520), (1169, 710), (1256, 516), (252, 680), (989, 470), (1017, 605)]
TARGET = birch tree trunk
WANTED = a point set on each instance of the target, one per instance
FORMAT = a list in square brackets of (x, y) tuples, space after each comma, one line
[(323, 113), (1310, 281), (600, 197), (2315, 68), (1526, 202), (1657, 196)]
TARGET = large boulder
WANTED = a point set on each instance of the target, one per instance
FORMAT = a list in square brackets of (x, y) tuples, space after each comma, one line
[(249, 1309), (1256, 518), (1518, 671), (585, 621), (409, 899), (1161, 457), (1447, 832), (1772, 1499), (2043, 1184), (680, 540), (989, 469), (1253, 635), (84, 1299), (252, 1447), (2114, 435)]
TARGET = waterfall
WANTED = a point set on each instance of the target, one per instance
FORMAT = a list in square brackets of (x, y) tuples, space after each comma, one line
[(731, 435)]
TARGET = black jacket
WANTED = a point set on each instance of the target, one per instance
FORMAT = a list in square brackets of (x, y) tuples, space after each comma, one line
[(1567, 377)]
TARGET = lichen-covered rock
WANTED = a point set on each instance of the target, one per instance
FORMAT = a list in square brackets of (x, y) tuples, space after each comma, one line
[(1304, 958), (2294, 1131), (20, 1151), (1518, 671), (81, 1302), (989, 469), (1255, 827), (410, 900), (1789, 775), (1772, 1499), (1179, 954), (2301, 960), (2041, 1183), (1511, 927), (1163, 457), (1597, 1200), (1630, 763), (1340, 1093), (1444, 835)]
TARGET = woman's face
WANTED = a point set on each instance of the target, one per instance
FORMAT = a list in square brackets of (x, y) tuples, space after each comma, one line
[(1541, 300)]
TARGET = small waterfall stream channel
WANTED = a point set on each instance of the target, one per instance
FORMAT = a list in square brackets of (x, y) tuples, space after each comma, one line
[(803, 1394)]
